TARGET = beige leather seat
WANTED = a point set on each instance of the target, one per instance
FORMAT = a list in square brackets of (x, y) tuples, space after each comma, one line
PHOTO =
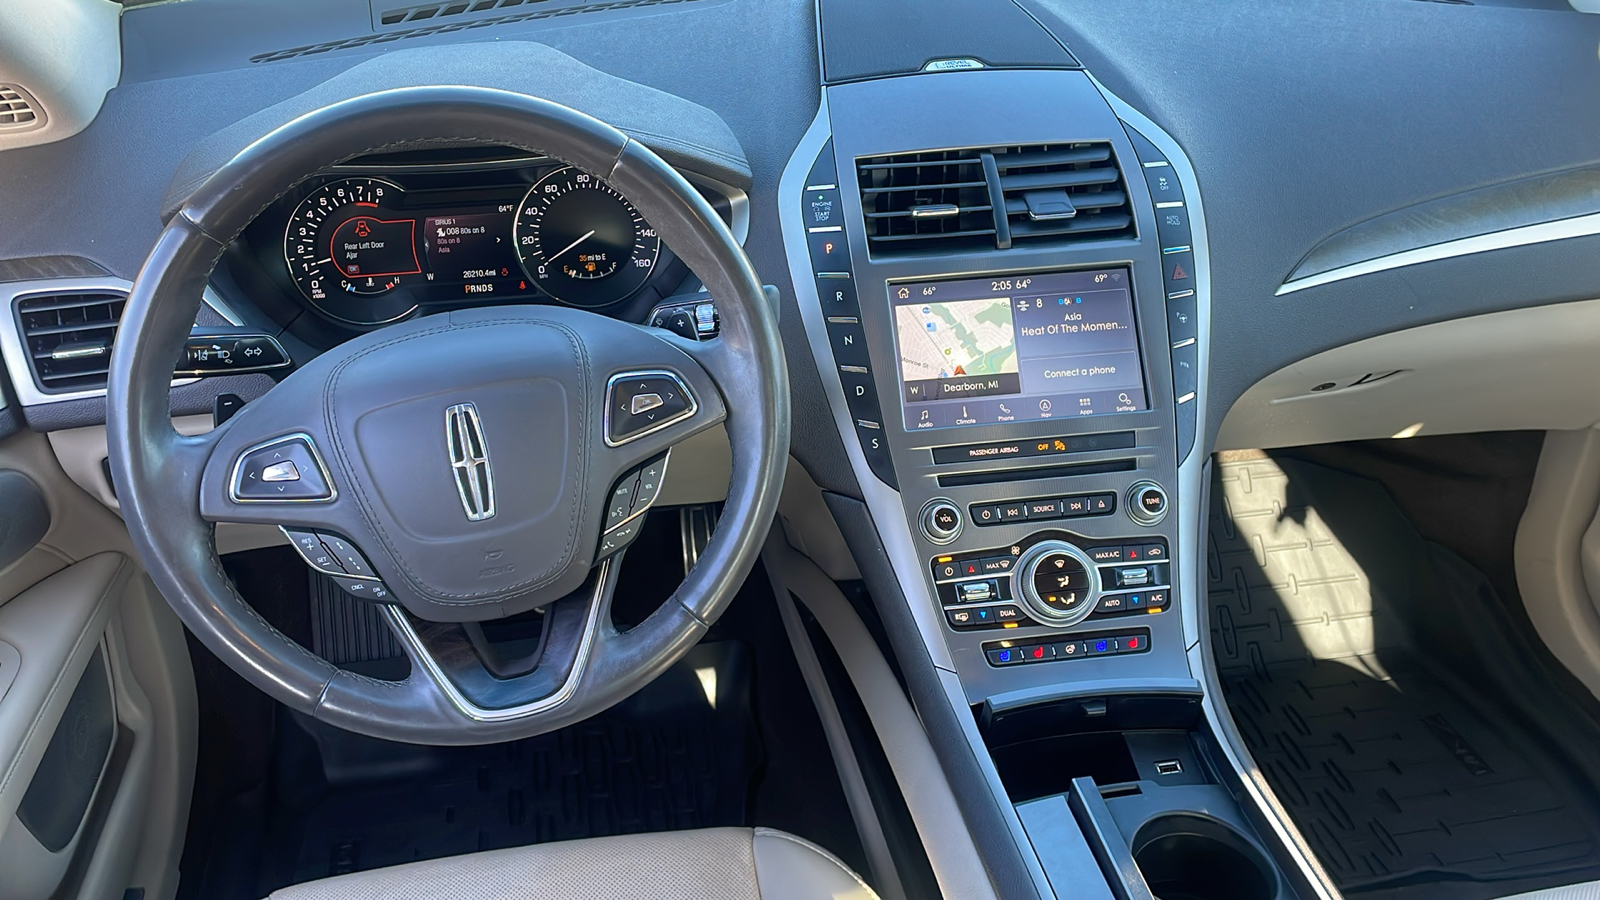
[(713, 864)]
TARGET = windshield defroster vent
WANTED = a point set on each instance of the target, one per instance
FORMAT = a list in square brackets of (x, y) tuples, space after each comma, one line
[(68, 337), (995, 197)]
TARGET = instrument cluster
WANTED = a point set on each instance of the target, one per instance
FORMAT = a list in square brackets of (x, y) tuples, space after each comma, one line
[(371, 243)]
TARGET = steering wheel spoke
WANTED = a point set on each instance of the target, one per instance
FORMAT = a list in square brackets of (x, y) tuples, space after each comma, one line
[(494, 681)]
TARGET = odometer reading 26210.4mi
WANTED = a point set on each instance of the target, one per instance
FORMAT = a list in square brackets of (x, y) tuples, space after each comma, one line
[(581, 242)]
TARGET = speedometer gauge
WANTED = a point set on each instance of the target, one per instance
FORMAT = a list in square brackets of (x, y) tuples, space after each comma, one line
[(582, 242), (346, 245)]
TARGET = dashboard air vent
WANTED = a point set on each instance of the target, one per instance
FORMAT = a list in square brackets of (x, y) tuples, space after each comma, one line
[(1063, 192), (69, 337), (995, 197), (923, 201), (17, 110)]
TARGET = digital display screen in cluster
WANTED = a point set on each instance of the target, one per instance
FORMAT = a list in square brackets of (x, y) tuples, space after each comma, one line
[(1014, 348)]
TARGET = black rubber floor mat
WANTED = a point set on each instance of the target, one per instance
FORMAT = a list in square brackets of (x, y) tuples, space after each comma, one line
[(1360, 665), (679, 754)]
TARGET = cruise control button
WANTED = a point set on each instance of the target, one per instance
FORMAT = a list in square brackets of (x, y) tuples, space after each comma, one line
[(310, 547), (263, 473), (664, 399), (350, 559), (376, 591)]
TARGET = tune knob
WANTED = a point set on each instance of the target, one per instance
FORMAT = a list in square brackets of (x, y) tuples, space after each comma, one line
[(1059, 582), (1147, 503)]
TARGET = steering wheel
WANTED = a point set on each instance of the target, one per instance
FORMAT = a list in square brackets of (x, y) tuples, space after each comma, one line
[(462, 467)]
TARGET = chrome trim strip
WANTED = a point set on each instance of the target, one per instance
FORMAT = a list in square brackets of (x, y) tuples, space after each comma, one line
[(316, 457), (1192, 514), (611, 384), (15, 355), (418, 652), (1521, 236)]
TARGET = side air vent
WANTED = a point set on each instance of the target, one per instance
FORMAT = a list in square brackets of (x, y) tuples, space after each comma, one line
[(68, 337), (18, 111), (995, 197), (1063, 192)]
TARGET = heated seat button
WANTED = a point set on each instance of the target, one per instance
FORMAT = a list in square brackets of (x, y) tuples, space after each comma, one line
[(642, 403), (285, 470)]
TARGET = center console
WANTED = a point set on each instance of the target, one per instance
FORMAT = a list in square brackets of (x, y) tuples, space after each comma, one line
[(1012, 325), (1006, 297)]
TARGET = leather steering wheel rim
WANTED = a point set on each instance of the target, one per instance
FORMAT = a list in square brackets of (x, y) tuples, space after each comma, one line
[(159, 473)]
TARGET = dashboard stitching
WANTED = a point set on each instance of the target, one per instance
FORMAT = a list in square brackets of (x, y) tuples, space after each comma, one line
[(367, 504)]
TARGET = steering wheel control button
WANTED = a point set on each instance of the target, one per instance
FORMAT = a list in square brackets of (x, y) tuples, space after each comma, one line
[(621, 505), (349, 558), (223, 354), (1147, 503), (617, 539), (941, 521), (639, 403), (364, 588), (285, 470), (316, 554), (1060, 584)]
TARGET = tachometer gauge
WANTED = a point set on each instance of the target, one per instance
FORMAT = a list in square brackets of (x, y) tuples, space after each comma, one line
[(582, 242), (344, 242)]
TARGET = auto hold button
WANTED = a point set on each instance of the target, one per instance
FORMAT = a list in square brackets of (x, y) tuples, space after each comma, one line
[(641, 402)]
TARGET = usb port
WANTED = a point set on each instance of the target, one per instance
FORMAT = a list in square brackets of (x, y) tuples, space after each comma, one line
[(1169, 767)]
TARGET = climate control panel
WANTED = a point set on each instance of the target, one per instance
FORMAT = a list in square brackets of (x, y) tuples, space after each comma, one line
[(1053, 580)]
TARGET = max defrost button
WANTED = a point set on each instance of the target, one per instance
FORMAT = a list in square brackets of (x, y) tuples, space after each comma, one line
[(287, 469)]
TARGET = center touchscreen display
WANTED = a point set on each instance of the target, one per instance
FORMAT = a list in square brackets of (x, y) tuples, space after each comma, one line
[(1016, 348)]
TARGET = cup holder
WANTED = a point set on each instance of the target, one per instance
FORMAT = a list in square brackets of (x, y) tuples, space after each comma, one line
[(1191, 857)]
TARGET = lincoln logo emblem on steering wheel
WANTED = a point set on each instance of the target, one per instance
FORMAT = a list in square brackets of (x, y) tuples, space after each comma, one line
[(469, 461)]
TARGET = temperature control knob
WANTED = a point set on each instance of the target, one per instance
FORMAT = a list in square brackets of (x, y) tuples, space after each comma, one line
[(1059, 582)]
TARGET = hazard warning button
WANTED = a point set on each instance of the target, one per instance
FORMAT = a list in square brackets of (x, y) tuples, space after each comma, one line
[(1178, 271)]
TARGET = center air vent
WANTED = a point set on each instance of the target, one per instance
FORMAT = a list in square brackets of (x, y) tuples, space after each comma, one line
[(946, 200), (69, 337)]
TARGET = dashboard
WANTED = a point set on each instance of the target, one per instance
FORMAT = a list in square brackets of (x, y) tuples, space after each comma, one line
[(385, 238)]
